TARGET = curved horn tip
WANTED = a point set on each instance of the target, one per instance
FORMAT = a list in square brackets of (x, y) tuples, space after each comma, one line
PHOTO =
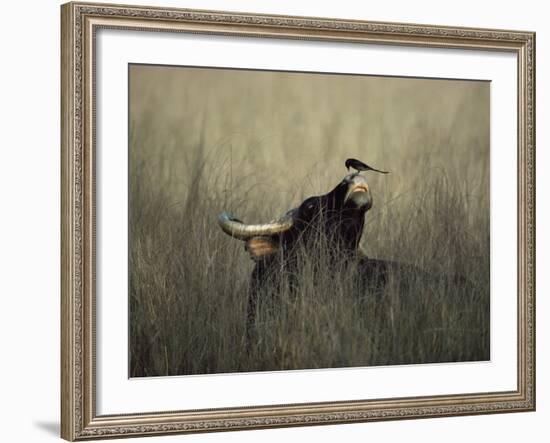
[(227, 216)]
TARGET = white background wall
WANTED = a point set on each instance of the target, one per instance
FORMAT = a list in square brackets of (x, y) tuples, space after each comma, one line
[(29, 219)]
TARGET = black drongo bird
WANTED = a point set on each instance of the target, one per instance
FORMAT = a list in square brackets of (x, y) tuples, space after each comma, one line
[(360, 166)]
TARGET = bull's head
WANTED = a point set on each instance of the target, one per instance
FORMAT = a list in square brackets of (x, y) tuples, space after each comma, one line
[(338, 216)]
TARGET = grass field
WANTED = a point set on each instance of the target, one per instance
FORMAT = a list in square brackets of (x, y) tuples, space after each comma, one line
[(257, 144)]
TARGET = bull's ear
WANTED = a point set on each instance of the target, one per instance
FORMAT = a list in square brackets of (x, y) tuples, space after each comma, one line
[(261, 247)]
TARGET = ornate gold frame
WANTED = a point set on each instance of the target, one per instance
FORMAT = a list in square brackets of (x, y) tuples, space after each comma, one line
[(80, 21)]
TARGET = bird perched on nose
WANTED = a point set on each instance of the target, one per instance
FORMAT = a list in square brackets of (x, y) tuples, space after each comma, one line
[(359, 166)]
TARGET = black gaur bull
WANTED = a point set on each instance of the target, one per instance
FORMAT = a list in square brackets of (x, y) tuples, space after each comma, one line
[(338, 217)]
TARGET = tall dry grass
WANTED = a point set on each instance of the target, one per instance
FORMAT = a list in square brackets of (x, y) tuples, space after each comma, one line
[(257, 144)]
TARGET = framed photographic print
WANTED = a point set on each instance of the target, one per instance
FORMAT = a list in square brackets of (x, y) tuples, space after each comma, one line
[(282, 221)]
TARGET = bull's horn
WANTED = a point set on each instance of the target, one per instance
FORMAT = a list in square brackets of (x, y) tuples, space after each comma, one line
[(236, 228)]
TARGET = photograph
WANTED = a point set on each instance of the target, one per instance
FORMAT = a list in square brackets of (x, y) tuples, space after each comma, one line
[(275, 221), (283, 221), (285, 218)]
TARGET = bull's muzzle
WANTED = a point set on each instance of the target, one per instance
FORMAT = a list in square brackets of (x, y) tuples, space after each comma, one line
[(358, 193)]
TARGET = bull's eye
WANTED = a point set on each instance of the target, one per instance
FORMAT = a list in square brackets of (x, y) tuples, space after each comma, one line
[(308, 208)]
